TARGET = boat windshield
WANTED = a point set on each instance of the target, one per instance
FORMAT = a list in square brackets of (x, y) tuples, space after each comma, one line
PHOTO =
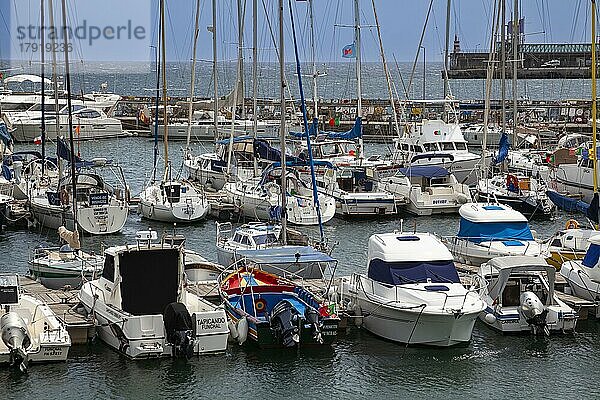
[(404, 272), (265, 239)]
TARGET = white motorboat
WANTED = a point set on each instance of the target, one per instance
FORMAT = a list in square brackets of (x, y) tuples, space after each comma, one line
[(173, 201), (356, 192), (569, 244), (30, 331), (102, 208), (260, 198), (520, 297), (529, 163), (575, 179), (260, 243), (583, 276), (143, 307), (437, 143), (490, 230), (64, 263), (427, 190), (88, 124), (412, 293), (526, 194)]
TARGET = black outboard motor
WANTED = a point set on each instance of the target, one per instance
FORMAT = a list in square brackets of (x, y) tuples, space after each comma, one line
[(284, 322), (312, 317), (178, 327)]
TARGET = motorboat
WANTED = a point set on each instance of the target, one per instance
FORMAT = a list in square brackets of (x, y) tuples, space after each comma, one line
[(569, 244), (583, 276), (102, 205), (173, 201), (143, 307), (260, 198), (88, 124), (356, 192), (437, 143), (529, 162), (259, 243), (30, 331), (489, 230), (427, 190), (525, 194), (274, 312), (520, 296), (412, 292), (575, 179)]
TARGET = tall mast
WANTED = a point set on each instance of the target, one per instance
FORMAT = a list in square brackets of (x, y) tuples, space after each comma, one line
[(43, 53), (386, 71), (594, 105), (70, 115), (255, 76), (358, 71), (503, 64), (214, 71), (282, 127), (448, 6), (193, 79), (236, 87), (314, 60), (515, 56), (241, 17), (55, 85), (164, 86)]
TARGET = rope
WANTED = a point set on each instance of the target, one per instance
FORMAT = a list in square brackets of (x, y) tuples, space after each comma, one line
[(413, 329)]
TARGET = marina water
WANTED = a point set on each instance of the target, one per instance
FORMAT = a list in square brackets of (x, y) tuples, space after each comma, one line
[(359, 365)]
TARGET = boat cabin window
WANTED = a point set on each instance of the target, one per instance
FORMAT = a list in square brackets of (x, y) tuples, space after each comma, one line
[(268, 238), (173, 193), (460, 146), (404, 146), (15, 106), (430, 146), (245, 240), (329, 149), (38, 107), (88, 114), (511, 294), (108, 272), (237, 238), (447, 146)]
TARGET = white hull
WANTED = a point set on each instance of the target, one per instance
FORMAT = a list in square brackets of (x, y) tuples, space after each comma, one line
[(471, 253), (27, 132), (407, 322), (189, 206), (98, 220), (140, 337)]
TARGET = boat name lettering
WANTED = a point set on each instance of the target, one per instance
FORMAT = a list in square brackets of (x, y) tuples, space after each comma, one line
[(210, 323), (53, 351)]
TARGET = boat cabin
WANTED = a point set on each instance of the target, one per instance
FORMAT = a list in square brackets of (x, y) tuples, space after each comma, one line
[(399, 258), (485, 222)]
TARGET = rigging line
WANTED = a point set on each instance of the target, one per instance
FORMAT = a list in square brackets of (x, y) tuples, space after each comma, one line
[(410, 81)]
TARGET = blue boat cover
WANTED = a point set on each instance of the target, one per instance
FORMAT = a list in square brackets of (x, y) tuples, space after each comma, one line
[(398, 273), (5, 136), (285, 255), (493, 231), (591, 256), (592, 211), (566, 203), (425, 171), (263, 150), (235, 139)]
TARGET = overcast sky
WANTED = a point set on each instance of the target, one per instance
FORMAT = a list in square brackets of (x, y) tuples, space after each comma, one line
[(401, 21)]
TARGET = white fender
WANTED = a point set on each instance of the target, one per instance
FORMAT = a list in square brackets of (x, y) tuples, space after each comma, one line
[(233, 332), (358, 315), (242, 329)]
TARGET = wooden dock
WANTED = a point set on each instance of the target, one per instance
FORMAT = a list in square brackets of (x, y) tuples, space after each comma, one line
[(65, 304)]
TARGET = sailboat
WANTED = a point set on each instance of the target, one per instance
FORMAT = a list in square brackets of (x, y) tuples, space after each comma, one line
[(170, 199)]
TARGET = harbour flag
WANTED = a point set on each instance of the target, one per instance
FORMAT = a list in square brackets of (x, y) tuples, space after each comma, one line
[(349, 51), (37, 140)]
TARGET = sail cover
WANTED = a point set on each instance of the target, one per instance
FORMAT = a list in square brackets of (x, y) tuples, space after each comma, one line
[(398, 273)]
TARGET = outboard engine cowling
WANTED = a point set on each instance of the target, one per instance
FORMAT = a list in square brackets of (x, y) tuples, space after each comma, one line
[(312, 317), (284, 322), (16, 337), (534, 311), (178, 329)]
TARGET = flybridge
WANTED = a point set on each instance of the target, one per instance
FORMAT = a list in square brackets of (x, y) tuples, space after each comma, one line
[(84, 31)]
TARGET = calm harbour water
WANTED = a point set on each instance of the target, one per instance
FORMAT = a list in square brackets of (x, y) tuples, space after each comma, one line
[(492, 366)]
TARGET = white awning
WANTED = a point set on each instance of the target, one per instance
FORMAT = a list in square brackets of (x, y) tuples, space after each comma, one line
[(26, 78)]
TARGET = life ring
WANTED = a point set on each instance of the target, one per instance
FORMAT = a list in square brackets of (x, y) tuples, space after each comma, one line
[(64, 197), (572, 224), (512, 183)]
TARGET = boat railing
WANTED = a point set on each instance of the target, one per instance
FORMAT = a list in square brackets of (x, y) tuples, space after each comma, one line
[(461, 242), (397, 298)]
